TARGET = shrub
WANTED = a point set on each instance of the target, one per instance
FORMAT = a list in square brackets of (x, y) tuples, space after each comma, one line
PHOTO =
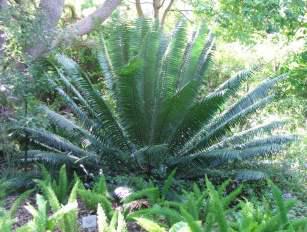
[(154, 112)]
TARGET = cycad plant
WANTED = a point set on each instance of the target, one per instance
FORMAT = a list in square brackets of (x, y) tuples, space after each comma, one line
[(152, 112)]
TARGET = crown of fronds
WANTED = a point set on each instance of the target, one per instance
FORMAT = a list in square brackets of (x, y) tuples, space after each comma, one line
[(153, 112)]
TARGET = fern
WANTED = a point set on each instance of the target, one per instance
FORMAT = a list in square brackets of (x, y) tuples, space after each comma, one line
[(167, 184), (67, 222), (153, 194), (117, 222), (98, 195), (91, 199), (59, 184), (149, 225), (42, 223)]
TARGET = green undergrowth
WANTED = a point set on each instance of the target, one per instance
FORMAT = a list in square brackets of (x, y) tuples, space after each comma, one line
[(155, 208)]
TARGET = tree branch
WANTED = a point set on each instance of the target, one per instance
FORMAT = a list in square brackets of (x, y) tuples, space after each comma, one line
[(183, 14), (48, 17), (79, 28), (162, 3), (166, 11), (88, 23)]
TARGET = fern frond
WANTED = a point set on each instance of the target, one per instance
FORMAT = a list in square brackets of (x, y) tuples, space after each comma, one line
[(149, 225)]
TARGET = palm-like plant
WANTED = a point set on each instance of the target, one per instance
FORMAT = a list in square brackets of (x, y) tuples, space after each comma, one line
[(155, 113)]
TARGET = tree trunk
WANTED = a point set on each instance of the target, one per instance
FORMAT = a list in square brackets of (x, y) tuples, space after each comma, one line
[(139, 8), (156, 8), (48, 17), (52, 10), (3, 4)]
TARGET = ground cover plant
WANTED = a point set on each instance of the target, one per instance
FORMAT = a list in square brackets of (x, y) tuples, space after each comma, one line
[(205, 208)]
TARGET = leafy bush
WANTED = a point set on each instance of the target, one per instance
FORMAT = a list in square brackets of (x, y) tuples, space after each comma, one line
[(155, 113)]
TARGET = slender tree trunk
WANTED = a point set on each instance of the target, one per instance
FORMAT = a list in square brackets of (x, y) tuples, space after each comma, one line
[(139, 8), (156, 8), (3, 4), (169, 6), (27, 135)]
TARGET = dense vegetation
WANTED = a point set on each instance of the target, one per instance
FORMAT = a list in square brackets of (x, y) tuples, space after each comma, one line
[(193, 119), (201, 209), (156, 114)]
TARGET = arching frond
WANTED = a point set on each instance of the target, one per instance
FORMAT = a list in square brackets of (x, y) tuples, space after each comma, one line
[(159, 116), (248, 134), (56, 142), (54, 158), (250, 175)]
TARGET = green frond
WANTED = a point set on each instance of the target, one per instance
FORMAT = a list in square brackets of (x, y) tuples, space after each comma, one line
[(245, 175), (118, 43), (274, 139), (59, 120), (93, 136), (170, 68), (106, 66), (167, 184), (173, 112), (101, 186), (198, 116), (82, 116), (234, 83), (90, 98), (196, 57), (50, 195), (101, 219), (150, 85), (219, 128), (149, 225), (72, 86), (248, 134), (257, 148), (152, 155), (131, 111), (54, 158), (103, 113), (260, 92), (53, 141), (171, 214), (204, 59), (151, 194), (18, 202), (194, 226), (183, 79), (92, 199)]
